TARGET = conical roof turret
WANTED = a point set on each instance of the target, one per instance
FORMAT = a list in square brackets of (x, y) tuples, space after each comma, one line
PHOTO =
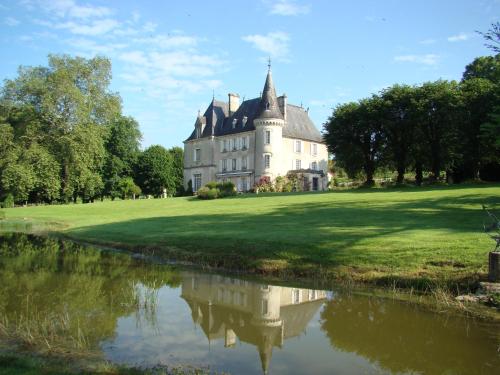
[(269, 107)]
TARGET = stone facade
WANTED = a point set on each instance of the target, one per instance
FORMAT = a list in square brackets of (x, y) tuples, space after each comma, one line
[(264, 136)]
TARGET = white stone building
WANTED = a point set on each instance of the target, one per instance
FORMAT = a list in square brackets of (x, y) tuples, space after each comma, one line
[(264, 136)]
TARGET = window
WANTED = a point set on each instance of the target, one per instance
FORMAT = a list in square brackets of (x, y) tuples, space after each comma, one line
[(264, 307), (225, 148), (235, 144), (244, 121), (298, 146), (244, 143), (224, 165), (296, 296), (267, 161), (314, 166), (244, 186), (312, 295), (268, 137), (233, 164), (314, 149), (197, 181), (235, 121), (198, 131), (298, 164), (244, 163), (197, 154)]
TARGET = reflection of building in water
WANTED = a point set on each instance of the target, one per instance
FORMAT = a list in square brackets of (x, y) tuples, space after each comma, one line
[(262, 315)]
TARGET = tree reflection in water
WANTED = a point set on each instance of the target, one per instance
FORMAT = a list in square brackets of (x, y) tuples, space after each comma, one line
[(404, 338)]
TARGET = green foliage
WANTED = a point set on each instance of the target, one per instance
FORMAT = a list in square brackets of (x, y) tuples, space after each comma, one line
[(58, 119), (177, 172), (213, 190), (226, 189), (154, 171), (8, 201), (208, 193), (436, 127), (211, 184), (128, 189), (486, 67)]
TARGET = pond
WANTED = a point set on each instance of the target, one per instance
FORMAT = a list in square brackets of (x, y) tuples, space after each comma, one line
[(133, 312)]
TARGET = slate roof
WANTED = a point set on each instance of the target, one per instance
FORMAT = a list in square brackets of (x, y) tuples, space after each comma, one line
[(218, 123)]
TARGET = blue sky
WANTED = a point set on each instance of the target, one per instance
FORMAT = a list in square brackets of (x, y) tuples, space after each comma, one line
[(169, 56)]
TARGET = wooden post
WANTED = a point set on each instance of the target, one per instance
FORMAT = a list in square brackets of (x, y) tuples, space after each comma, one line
[(494, 269)]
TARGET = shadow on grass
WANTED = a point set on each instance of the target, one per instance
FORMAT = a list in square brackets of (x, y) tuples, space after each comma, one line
[(382, 236)]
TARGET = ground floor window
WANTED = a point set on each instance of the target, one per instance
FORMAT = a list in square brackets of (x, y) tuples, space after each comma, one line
[(197, 181), (267, 161), (244, 184)]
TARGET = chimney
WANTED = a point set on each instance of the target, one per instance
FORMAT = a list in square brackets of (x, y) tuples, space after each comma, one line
[(282, 104), (234, 103)]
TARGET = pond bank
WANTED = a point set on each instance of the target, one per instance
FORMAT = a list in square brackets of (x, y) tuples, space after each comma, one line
[(440, 295), (100, 311)]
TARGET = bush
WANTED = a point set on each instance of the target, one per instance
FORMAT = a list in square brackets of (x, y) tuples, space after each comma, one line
[(8, 202), (226, 189), (207, 193), (212, 185)]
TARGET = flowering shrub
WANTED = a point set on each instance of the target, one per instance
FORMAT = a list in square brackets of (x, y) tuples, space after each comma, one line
[(264, 185)]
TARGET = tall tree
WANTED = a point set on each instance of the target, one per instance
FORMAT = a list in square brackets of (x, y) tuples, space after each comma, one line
[(72, 104), (437, 110), (399, 126), (354, 135), (478, 100), (154, 171), (177, 155), (122, 150)]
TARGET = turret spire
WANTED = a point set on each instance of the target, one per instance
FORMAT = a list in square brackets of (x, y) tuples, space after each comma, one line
[(269, 107)]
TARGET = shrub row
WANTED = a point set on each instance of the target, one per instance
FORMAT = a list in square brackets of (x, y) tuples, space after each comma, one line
[(214, 190)]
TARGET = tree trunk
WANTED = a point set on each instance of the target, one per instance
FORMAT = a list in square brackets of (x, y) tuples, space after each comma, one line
[(369, 170), (401, 174), (418, 173)]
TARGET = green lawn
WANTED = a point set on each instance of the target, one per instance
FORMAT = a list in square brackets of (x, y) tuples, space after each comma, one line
[(408, 233)]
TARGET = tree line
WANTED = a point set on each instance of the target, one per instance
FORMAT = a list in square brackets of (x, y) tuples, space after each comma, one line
[(436, 128), (63, 137)]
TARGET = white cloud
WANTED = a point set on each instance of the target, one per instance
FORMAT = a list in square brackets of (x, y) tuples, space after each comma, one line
[(287, 8), (428, 41), (168, 41), (458, 38), (149, 27), (68, 8), (274, 44), (89, 47), (428, 59), (96, 27), (11, 21), (134, 57)]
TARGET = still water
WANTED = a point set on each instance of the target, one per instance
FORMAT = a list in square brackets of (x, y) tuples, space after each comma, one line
[(136, 313)]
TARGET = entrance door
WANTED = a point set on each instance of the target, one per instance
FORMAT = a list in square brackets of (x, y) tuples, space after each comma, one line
[(315, 183)]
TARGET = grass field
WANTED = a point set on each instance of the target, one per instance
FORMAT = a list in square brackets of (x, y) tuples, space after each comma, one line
[(432, 233)]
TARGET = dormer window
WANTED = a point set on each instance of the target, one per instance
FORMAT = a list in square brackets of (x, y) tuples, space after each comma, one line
[(268, 106), (244, 121), (235, 121), (198, 131)]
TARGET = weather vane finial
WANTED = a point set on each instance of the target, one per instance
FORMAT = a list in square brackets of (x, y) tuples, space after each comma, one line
[(269, 63)]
